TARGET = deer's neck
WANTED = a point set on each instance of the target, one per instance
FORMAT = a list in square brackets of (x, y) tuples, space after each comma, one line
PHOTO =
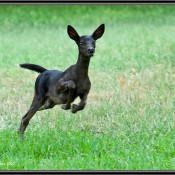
[(83, 65)]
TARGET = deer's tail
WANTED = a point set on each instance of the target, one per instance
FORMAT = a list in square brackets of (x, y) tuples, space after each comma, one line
[(33, 67)]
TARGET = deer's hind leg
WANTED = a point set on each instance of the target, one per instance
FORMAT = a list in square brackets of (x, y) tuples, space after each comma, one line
[(48, 104), (38, 101)]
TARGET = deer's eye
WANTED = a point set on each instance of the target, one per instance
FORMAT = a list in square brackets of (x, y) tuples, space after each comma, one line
[(94, 42), (82, 44)]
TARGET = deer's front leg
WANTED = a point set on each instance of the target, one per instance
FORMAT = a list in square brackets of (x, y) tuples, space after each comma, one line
[(81, 105), (71, 86)]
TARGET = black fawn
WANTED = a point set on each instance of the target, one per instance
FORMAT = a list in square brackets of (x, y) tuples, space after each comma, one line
[(54, 87)]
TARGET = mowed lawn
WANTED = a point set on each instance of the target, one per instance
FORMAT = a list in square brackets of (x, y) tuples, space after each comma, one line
[(129, 120)]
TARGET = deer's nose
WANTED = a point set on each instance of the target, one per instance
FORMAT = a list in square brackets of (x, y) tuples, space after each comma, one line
[(91, 50)]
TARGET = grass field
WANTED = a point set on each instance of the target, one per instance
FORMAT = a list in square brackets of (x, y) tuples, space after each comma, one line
[(129, 120)]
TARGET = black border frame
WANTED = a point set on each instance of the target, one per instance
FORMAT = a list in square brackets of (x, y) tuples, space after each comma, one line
[(86, 2)]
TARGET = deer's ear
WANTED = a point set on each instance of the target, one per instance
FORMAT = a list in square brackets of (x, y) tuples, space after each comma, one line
[(99, 32), (73, 33)]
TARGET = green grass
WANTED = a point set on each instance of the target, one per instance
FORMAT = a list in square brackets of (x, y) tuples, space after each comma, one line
[(129, 120)]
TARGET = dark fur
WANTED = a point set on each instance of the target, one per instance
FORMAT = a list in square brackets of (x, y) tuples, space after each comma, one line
[(54, 87)]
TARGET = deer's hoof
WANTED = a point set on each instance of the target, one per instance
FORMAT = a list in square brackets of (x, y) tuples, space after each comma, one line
[(65, 107), (74, 108)]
